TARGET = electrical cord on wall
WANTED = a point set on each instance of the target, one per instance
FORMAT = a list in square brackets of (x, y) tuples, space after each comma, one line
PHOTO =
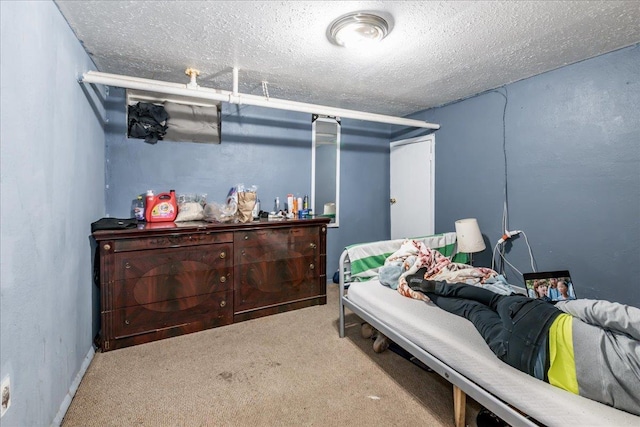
[(503, 260), (508, 235), (505, 207), (500, 246)]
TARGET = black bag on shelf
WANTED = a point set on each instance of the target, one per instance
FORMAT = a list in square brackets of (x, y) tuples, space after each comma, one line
[(114, 224)]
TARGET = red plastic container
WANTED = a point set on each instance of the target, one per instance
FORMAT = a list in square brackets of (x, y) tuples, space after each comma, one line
[(162, 207)]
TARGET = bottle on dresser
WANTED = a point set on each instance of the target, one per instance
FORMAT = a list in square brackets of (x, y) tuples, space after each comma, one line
[(290, 201)]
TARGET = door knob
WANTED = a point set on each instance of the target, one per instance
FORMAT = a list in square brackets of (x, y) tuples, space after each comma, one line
[(392, 200)]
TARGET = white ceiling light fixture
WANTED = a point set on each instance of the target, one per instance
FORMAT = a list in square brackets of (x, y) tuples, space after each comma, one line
[(358, 29)]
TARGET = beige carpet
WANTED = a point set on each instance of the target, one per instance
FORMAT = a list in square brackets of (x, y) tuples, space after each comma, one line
[(290, 369)]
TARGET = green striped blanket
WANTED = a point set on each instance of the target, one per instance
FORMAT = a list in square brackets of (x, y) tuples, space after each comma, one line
[(367, 258)]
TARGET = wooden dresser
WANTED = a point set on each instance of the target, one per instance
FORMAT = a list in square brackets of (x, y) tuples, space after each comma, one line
[(167, 279)]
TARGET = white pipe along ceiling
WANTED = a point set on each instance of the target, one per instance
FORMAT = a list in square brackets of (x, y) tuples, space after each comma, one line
[(196, 91)]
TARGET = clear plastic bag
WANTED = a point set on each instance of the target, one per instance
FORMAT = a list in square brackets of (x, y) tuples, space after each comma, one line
[(190, 207), (218, 212), (238, 207), (215, 212)]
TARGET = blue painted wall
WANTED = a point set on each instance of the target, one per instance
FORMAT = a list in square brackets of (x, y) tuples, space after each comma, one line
[(573, 171), (260, 146), (52, 188)]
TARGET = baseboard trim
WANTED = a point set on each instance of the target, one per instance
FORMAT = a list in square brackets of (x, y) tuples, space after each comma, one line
[(64, 406)]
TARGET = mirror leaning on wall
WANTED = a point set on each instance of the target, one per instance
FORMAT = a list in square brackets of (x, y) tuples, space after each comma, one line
[(325, 169)]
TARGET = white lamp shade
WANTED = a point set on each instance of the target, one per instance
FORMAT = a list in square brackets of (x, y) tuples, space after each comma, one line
[(468, 236)]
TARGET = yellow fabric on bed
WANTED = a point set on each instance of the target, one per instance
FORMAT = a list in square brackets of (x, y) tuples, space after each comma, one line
[(562, 369)]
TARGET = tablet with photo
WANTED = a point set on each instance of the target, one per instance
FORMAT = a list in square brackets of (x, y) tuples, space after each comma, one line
[(550, 285)]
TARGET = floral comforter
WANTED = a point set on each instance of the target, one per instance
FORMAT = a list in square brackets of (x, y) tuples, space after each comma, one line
[(414, 255)]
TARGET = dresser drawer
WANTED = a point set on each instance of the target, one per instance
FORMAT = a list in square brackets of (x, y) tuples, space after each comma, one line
[(275, 252), (171, 241), (270, 245), (214, 309), (293, 237), (171, 262), (156, 288), (275, 282)]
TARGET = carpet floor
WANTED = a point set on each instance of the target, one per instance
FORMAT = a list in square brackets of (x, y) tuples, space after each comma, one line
[(289, 369)]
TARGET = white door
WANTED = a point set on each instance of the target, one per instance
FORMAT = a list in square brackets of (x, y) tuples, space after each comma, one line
[(412, 187)]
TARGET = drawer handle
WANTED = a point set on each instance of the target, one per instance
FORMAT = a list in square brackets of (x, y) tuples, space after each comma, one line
[(223, 303), (313, 245), (324, 229), (127, 265), (246, 237), (126, 322), (223, 279), (223, 255), (311, 266), (106, 247)]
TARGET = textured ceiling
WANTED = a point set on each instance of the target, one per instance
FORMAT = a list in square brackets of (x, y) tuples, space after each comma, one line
[(437, 51)]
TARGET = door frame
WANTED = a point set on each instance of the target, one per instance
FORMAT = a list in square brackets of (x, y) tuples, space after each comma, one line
[(431, 140)]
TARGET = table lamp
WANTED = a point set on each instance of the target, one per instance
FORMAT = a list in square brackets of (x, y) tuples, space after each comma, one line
[(468, 237)]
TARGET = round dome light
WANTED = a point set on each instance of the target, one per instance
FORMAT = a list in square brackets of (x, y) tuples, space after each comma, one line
[(358, 28)]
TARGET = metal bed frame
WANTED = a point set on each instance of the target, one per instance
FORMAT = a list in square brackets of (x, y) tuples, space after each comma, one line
[(462, 386)]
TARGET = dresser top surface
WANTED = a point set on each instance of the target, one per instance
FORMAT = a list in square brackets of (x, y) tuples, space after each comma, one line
[(156, 228)]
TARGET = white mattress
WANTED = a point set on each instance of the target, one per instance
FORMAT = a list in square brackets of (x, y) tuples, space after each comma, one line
[(455, 341)]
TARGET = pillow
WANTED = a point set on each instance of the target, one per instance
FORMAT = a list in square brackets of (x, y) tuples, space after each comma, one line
[(192, 123), (367, 258)]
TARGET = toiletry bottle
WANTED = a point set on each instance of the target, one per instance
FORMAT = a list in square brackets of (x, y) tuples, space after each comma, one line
[(290, 200), (149, 201), (138, 209), (305, 202)]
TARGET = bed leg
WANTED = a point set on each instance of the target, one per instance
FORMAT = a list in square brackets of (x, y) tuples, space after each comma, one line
[(459, 404), (341, 325)]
